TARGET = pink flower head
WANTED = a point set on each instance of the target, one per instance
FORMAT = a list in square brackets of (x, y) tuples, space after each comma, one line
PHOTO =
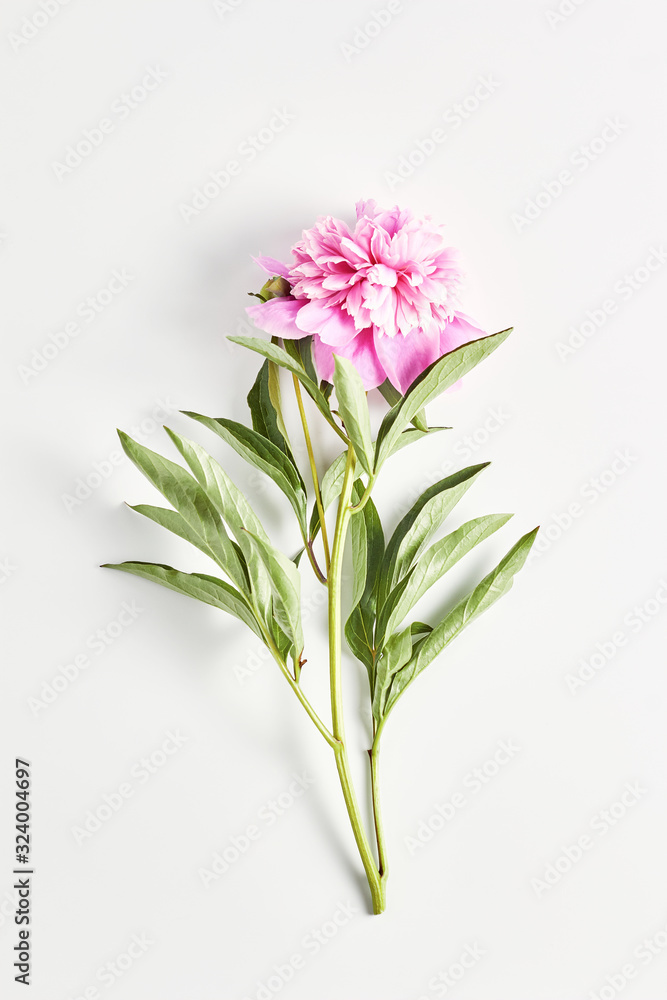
[(381, 295)]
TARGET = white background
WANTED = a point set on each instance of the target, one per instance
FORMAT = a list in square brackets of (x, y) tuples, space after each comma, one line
[(180, 666)]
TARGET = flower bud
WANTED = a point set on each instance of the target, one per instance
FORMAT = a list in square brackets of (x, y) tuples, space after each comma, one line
[(275, 287)]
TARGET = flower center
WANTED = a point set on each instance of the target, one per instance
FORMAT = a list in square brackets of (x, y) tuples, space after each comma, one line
[(380, 274)]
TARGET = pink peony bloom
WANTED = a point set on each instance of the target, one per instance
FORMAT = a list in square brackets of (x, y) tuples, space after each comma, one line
[(381, 295)]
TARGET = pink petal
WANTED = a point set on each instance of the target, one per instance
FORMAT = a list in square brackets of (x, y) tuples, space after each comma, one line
[(333, 325), (406, 357), (277, 317), (380, 274), (360, 351), (460, 330), (272, 266), (366, 208), (324, 359)]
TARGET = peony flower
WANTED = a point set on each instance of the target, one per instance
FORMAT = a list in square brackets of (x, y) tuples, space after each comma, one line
[(382, 295)]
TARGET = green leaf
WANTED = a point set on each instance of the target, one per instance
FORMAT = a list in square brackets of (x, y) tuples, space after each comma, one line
[(285, 582), (433, 565), (359, 629), (208, 589), (393, 396), (332, 480), (492, 587), (264, 455), (330, 489), (439, 376), (235, 510), (401, 647), (283, 360), (367, 548), (265, 408), (192, 503), (412, 434), (395, 655), (367, 551), (424, 518), (353, 408), (301, 351), (390, 392), (174, 522)]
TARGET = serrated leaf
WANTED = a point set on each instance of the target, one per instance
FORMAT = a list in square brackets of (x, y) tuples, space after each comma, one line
[(353, 408), (497, 583), (432, 566), (200, 586), (235, 510), (192, 503), (434, 380), (285, 581), (264, 455), (424, 518)]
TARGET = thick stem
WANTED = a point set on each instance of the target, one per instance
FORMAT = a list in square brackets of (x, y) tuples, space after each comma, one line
[(374, 755), (375, 881)]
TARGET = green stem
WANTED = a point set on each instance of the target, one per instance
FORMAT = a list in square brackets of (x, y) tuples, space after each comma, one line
[(375, 882), (366, 494), (296, 687), (313, 471), (374, 755), (312, 560)]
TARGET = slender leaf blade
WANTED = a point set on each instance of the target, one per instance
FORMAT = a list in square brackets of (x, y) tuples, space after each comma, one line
[(367, 540), (433, 565), (285, 581), (424, 518), (497, 583), (395, 655), (330, 489), (438, 377), (187, 496), (235, 510), (353, 408), (393, 396), (264, 402), (280, 357), (367, 548), (200, 586), (264, 455)]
